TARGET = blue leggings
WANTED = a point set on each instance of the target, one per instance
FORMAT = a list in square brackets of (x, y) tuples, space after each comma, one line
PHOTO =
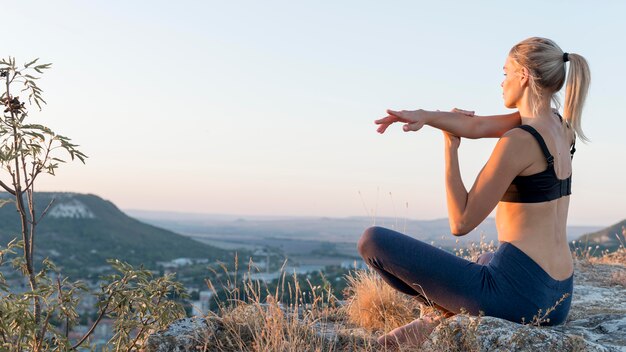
[(506, 284)]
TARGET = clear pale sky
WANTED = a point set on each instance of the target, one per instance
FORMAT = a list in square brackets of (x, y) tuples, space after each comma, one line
[(267, 107)]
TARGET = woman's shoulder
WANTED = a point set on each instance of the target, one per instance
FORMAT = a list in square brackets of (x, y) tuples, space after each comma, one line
[(515, 142), (521, 143), (519, 133)]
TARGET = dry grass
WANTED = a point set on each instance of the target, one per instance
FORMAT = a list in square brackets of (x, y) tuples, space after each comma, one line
[(618, 257), (475, 250), (609, 267), (376, 306), (261, 322), (589, 253)]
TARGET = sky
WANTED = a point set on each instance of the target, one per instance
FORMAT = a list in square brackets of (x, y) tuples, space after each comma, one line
[(267, 108)]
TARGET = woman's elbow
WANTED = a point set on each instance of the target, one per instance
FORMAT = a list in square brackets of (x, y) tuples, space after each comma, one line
[(459, 229), (459, 233), (476, 131)]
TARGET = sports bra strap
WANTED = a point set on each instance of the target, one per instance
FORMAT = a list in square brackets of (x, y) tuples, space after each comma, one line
[(542, 143)]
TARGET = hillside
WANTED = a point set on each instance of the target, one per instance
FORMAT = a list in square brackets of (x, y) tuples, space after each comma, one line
[(609, 238), (83, 230)]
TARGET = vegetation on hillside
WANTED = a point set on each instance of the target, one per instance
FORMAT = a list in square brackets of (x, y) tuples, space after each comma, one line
[(77, 244)]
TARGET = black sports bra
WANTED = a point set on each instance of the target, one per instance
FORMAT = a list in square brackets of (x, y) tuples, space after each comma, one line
[(540, 187)]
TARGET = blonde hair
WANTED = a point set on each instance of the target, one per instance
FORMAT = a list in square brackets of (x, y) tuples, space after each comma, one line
[(546, 65)]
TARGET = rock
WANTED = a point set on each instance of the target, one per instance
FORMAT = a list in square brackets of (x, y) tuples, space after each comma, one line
[(597, 321), (461, 333), (183, 335)]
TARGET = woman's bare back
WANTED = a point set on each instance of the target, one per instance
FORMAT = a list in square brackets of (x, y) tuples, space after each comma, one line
[(539, 229)]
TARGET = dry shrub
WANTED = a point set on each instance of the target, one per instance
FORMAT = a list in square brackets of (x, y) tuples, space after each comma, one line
[(475, 250), (374, 305), (241, 323), (251, 326), (618, 257), (252, 318)]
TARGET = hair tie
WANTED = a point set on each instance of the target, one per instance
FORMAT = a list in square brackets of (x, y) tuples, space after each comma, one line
[(565, 57)]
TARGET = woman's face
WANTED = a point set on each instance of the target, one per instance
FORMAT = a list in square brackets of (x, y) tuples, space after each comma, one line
[(513, 84)]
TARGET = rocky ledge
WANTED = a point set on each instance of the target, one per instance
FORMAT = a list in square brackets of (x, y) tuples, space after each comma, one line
[(597, 322)]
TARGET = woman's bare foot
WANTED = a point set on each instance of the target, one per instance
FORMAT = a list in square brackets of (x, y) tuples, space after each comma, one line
[(411, 334)]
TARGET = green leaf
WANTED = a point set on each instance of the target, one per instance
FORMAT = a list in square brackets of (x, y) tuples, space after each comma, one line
[(30, 63), (36, 126), (35, 134)]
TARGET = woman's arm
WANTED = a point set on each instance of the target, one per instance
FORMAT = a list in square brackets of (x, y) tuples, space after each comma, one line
[(457, 123), (468, 209)]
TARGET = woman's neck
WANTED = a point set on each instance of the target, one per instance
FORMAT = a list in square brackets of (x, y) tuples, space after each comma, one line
[(527, 113)]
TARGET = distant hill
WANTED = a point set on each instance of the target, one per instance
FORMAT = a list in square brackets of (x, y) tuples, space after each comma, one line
[(83, 230), (609, 238)]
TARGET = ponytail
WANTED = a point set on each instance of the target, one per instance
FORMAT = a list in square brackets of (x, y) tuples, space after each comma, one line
[(578, 79)]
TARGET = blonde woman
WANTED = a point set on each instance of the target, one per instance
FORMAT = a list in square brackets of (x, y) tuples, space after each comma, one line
[(528, 178)]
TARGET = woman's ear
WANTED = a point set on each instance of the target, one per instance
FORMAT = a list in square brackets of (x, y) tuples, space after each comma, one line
[(524, 76)]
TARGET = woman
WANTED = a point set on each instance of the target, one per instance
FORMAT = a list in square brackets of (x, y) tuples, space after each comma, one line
[(528, 178)]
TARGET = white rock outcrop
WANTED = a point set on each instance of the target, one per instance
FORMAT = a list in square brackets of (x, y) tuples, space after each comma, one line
[(73, 209)]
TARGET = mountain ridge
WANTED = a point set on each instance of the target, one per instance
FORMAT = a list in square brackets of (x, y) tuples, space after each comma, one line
[(83, 230)]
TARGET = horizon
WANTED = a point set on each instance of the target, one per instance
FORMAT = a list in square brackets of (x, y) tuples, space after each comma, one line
[(267, 109), (256, 217)]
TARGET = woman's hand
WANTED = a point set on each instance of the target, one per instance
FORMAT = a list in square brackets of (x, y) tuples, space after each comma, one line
[(464, 112), (452, 141), (413, 120)]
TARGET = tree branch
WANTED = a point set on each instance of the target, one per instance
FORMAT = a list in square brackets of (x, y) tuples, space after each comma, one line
[(143, 327), (43, 332), (45, 211), (95, 323), (35, 171), (6, 188)]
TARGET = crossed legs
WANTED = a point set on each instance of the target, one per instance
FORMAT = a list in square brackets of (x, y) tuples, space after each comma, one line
[(435, 277)]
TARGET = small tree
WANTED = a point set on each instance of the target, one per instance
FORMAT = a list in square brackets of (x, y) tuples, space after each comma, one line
[(26, 151), (33, 320)]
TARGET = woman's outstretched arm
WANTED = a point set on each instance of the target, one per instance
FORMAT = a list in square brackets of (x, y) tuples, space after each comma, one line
[(458, 122)]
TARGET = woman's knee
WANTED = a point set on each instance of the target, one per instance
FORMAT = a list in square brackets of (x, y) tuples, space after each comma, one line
[(370, 241)]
